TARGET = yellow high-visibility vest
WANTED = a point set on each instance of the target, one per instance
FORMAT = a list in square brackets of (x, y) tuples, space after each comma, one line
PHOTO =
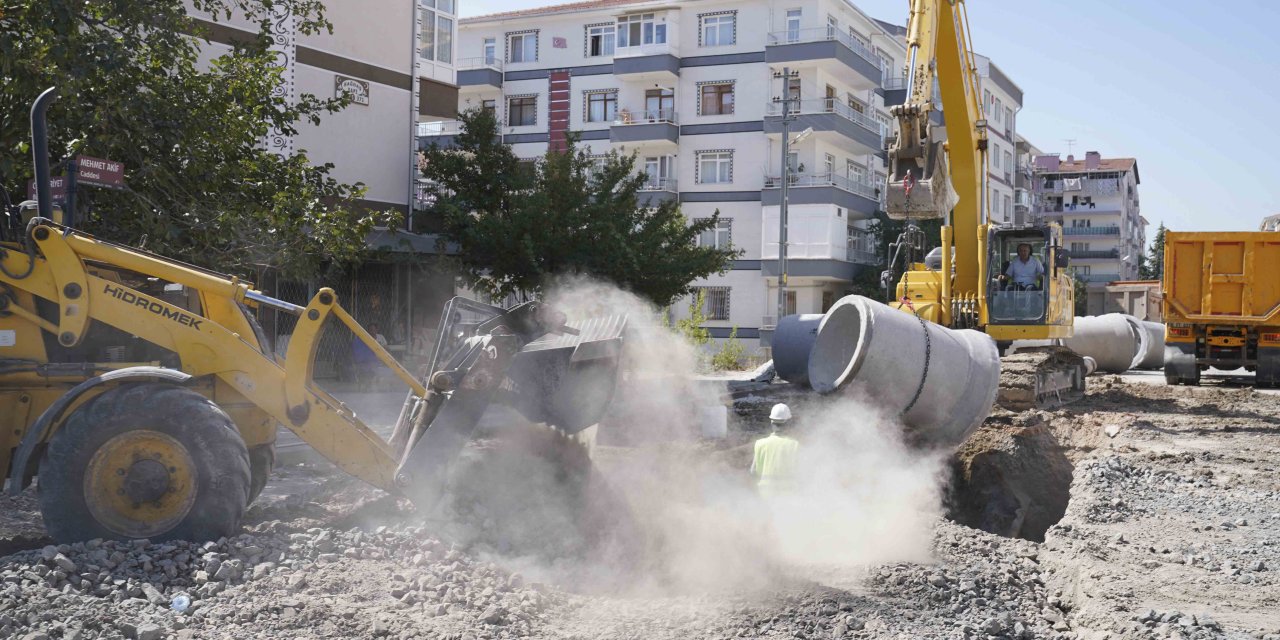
[(775, 461)]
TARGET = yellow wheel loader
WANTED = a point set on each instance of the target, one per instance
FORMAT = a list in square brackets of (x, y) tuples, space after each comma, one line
[(179, 440)]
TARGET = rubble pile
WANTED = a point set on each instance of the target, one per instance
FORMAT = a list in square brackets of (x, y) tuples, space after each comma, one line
[(396, 582)]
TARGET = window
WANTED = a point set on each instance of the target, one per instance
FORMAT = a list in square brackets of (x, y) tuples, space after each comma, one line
[(444, 39), (428, 35), (793, 25), (1079, 246), (490, 105), (790, 305), (490, 50), (445, 6), (715, 302), (793, 94), (995, 156), (719, 236), (718, 31), (602, 106), (828, 164), (659, 104), (855, 171), (641, 29), (1008, 207), (522, 111), (436, 33), (1008, 118), (715, 167), (522, 47), (986, 102), (658, 171), (856, 104), (1082, 270), (833, 26), (600, 40), (716, 99), (1008, 161)]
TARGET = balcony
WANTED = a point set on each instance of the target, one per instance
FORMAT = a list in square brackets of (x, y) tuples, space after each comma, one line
[(1097, 254), (1091, 231), (823, 188), (647, 63), (442, 133), (645, 126), (830, 119), (479, 73), (827, 48), (655, 191)]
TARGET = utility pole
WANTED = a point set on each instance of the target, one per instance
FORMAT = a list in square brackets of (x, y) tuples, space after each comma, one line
[(787, 117)]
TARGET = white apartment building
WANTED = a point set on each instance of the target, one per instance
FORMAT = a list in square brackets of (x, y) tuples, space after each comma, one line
[(1001, 102), (690, 88), (1096, 201), (1024, 156), (397, 64)]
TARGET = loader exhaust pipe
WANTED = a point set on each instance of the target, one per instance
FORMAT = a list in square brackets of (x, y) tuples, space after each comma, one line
[(40, 150), (941, 381)]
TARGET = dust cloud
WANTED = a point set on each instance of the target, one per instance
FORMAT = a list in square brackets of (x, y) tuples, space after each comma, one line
[(658, 509)]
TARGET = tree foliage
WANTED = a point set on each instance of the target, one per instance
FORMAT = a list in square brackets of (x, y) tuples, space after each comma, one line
[(1152, 265), (518, 224), (201, 185)]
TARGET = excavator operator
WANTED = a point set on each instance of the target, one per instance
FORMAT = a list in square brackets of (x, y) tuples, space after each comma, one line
[(1025, 271)]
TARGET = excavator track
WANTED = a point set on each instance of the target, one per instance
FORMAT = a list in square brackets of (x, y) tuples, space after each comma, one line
[(1040, 378)]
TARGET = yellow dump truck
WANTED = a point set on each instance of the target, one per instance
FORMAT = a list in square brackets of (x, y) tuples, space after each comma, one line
[(1222, 304)]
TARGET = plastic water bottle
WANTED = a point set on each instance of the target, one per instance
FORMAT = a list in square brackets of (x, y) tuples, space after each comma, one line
[(181, 603)]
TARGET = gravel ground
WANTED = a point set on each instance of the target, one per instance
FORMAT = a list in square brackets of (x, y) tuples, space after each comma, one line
[(1160, 510)]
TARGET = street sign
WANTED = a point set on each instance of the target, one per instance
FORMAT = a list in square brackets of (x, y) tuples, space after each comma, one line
[(99, 173), (57, 188)]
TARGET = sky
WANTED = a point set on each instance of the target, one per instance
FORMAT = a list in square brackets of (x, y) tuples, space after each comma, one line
[(1189, 88)]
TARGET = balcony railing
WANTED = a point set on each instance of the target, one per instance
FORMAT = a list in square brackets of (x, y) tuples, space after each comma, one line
[(1091, 231), (480, 62), (660, 184), (823, 34), (861, 257), (852, 185), (439, 128), (1102, 253), (827, 105), (645, 116), (1088, 187), (652, 49), (1098, 277), (894, 83)]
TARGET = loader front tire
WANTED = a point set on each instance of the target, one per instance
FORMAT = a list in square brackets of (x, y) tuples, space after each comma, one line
[(147, 460)]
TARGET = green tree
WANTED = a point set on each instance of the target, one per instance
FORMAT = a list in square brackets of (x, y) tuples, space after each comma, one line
[(1152, 265), (202, 187), (1081, 293), (517, 225)]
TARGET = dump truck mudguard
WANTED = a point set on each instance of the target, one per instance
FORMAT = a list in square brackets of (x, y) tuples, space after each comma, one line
[(41, 428)]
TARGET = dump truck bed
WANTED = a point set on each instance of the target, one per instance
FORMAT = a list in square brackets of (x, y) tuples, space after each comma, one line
[(1222, 277)]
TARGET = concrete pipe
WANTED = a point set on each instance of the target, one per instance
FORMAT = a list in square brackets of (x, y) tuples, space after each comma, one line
[(792, 341), (1116, 341), (1155, 346), (942, 381), (1090, 365)]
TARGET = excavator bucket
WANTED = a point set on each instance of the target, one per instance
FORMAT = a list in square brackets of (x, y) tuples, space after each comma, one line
[(916, 194), (561, 374)]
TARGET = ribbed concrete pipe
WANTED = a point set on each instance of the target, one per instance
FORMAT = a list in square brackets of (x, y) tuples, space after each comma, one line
[(792, 340), (1090, 365), (1155, 346), (1116, 341), (869, 349)]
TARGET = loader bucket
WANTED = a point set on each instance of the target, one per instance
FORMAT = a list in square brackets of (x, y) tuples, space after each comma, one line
[(566, 380)]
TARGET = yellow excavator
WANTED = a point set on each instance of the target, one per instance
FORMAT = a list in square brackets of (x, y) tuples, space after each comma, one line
[(966, 283), (176, 438)]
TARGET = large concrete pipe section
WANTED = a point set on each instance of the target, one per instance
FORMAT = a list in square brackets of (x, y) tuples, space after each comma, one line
[(1155, 346), (941, 381), (792, 340), (1116, 341)]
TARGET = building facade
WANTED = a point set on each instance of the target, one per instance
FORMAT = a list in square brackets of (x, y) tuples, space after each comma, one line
[(1001, 102), (395, 62), (692, 89), (1096, 202)]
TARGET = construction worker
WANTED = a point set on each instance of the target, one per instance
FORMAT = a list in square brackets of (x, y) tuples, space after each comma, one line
[(775, 456)]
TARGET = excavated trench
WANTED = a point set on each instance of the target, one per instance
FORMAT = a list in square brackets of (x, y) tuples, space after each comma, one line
[(1012, 477)]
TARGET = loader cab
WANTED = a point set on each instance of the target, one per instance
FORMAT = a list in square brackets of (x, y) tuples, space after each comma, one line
[(1020, 271)]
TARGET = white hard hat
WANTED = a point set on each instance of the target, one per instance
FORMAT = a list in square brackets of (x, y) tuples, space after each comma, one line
[(780, 413)]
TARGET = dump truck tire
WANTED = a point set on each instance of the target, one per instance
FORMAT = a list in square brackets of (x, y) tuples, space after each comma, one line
[(262, 459), (153, 461)]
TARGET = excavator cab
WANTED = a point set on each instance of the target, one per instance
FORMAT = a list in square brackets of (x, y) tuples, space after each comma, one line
[(1018, 276)]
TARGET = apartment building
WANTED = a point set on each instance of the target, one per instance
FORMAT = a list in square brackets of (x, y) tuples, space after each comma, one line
[(1096, 202), (396, 62), (691, 89), (1001, 102), (1270, 223), (1025, 153)]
